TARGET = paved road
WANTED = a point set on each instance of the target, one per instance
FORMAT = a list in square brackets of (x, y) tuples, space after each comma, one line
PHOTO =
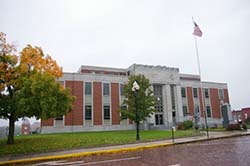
[(229, 152)]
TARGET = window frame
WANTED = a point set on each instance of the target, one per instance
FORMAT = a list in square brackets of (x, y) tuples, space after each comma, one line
[(106, 115), (206, 92), (86, 88), (183, 92), (106, 89), (89, 117), (195, 92)]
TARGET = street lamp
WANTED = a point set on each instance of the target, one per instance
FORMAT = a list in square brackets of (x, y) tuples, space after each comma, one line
[(135, 90)]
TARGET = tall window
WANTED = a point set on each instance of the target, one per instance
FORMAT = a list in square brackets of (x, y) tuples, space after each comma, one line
[(208, 111), (206, 93), (88, 88), (221, 94), (106, 113), (105, 89), (158, 119), (185, 111), (183, 92), (158, 95), (195, 92), (121, 89), (172, 96), (88, 112)]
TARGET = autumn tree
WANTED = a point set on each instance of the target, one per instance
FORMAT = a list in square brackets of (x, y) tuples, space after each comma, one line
[(141, 105), (28, 85)]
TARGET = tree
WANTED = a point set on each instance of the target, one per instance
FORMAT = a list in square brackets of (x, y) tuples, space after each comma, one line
[(143, 102), (28, 85)]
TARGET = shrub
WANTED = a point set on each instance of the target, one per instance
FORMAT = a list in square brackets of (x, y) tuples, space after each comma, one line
[(244, 126), (180, 126), (233, 127), (187, 124), (247, 121)]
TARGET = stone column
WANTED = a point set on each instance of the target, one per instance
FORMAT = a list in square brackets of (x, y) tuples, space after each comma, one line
[(167, 109), (179, 111)]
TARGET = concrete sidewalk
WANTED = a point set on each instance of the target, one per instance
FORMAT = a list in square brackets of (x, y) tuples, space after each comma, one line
[(116, 148)]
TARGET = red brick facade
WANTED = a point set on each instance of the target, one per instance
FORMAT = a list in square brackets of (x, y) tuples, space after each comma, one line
[(75, 117), (48, 122), (215, 103), (115, 103), (190, 101), (97, 103), (226, 96)]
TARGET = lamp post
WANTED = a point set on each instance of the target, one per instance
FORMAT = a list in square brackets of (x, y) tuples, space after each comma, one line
[(135, 90)]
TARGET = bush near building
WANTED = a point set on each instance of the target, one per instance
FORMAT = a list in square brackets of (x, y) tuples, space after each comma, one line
[(185, 125), (237, 126)]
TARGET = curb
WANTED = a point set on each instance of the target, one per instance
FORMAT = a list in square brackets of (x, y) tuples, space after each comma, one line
[(212, 138), (84, 154), (110, 151)]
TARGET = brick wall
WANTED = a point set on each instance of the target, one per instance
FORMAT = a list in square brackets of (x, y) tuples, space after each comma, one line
[(97, 99), (190, 101), (226, 96), (75, 117), (215, 103), (47, 122), (115, 103)]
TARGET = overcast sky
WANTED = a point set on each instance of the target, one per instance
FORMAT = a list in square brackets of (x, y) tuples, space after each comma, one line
[(119, 33)]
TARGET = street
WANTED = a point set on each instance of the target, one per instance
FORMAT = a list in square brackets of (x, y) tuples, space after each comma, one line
[(230, 152)]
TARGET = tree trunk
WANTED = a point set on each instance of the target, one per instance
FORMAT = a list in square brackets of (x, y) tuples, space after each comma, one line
[(11, 130)]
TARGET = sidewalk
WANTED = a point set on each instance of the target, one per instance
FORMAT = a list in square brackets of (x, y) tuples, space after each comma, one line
[(117, 148)]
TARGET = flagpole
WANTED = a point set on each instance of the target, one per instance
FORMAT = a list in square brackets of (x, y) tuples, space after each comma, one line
[(202, 99)]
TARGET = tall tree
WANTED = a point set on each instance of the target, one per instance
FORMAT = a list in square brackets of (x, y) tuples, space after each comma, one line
[(28, 85), (140, 104)]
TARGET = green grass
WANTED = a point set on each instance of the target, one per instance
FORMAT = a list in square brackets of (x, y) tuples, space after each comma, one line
[(52, 142), (214, 129)]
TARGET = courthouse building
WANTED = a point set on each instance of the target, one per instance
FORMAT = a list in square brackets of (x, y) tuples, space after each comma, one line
[(99, 95)]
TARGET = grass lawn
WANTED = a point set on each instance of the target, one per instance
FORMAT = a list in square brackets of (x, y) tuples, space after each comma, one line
[(214, 129), (52, 142)]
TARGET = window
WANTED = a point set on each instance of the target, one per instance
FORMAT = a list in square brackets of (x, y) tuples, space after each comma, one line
[(172, 96), (221, 94), (209, 112), (159, 119), (121, 89), (185, 111), (59, 118), (158, 95), (183, 92), (88, 88), (195, 92), (157, 90), (105, 89), (206, 93), (106, 112), (88, 112)]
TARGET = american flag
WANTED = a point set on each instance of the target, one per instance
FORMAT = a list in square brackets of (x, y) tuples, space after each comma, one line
[(197, 31)]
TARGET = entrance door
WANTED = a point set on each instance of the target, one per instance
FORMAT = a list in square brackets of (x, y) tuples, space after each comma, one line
[(158, 119)]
